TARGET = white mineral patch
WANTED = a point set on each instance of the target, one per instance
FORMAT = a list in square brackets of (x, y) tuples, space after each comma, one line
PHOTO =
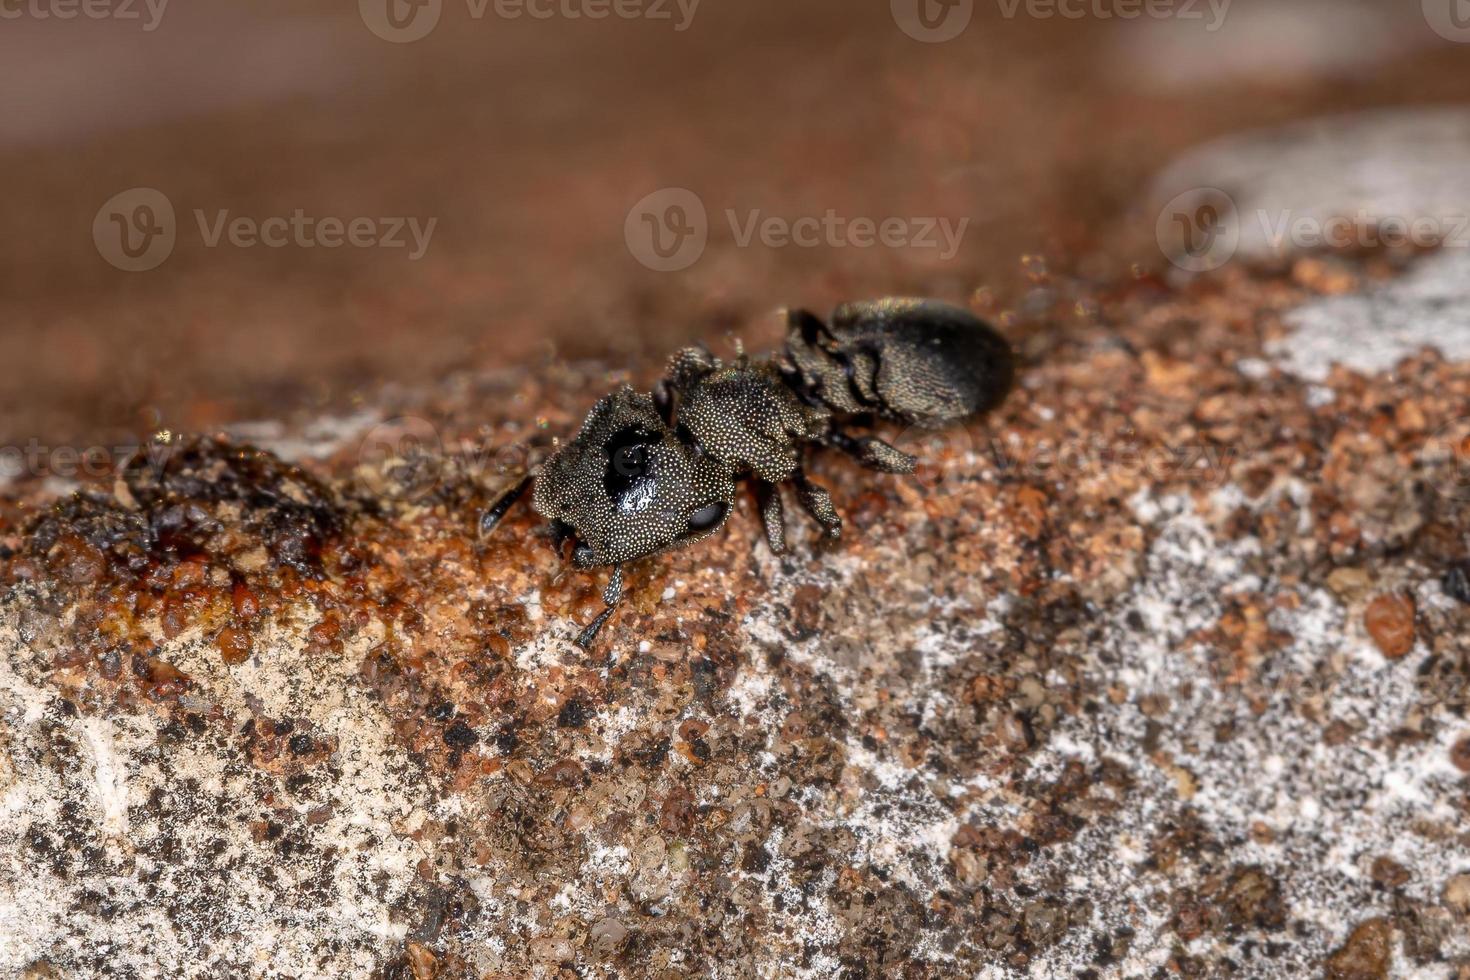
[(316, 440), (1371, 332), (110, 771), (1332, 808), (1380, 170), (110, 780), (1364, 178)]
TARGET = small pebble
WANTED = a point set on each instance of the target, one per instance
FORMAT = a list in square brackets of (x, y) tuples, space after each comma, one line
[(1457, 894), (1460, 754), (1366, 955), (1390, 622), (607, 936)]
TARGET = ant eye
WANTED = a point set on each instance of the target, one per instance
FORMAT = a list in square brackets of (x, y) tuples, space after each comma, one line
[(706, 517)]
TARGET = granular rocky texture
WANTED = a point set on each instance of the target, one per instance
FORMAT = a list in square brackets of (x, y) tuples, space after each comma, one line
[(1157, 671)]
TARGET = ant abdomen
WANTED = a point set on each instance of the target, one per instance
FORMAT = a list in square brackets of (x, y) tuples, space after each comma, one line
[(913, 361)]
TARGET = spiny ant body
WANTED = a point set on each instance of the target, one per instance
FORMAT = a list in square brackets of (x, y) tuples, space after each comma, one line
[(649, 472)]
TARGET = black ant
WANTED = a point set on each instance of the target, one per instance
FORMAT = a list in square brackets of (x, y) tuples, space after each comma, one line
[(649, 472)]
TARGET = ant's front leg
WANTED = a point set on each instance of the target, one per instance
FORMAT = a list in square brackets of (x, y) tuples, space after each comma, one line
[(768, 496), (611, 596), (873, 452), (818, 503)]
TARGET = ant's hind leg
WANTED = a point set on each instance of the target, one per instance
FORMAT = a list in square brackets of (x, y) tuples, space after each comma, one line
[(497, 511), (874, 453), (768, 495), (611, 596), (818, 503)]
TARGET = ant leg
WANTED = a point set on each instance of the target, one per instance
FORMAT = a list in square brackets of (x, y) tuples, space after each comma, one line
[(873, 453), (807, 324), (818, 503), (611, 596), (663, 402), (768, 495), (588, 636), (497, 511)]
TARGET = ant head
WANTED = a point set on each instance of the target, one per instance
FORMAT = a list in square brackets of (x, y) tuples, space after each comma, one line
[(626, 486)]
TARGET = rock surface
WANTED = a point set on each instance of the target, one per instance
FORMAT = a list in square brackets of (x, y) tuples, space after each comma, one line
[(1160, 670), (1099, 690)]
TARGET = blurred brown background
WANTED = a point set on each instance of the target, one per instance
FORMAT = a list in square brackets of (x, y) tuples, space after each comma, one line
[(530, 139)]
